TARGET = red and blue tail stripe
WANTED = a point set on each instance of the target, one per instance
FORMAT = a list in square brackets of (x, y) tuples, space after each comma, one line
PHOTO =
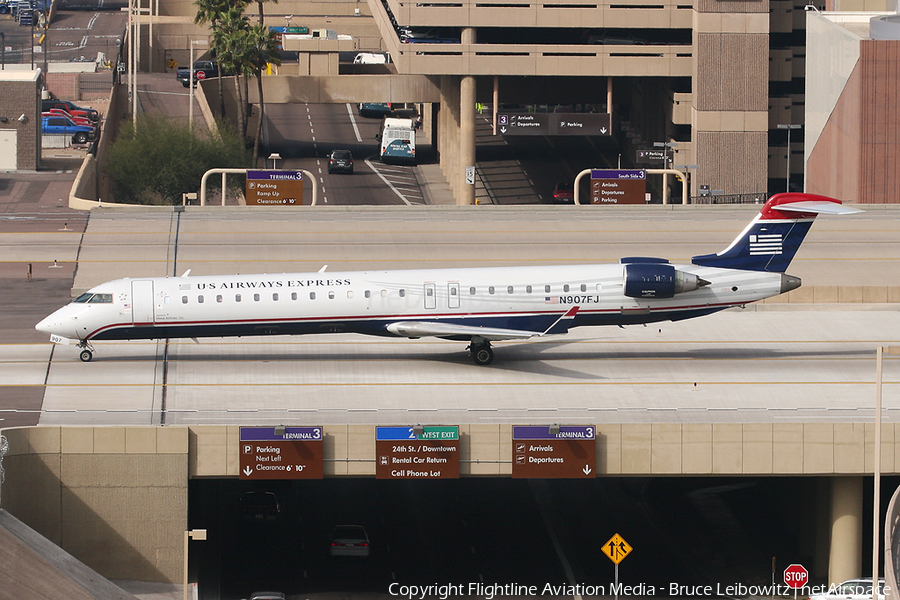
[(773, 237)]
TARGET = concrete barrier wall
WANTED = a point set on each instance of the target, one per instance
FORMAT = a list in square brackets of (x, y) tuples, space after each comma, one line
[(113, 497), (116, 498)]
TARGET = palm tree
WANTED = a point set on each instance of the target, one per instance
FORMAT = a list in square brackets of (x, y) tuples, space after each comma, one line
[(212, 12), (230, 41), (262, 51)]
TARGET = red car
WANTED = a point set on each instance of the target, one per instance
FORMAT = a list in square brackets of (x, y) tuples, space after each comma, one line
[(563, 193), (58, 112)]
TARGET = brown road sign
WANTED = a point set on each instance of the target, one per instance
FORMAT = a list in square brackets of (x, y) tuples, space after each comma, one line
[(557, 452), (294, 454), (274, 188), (417, 453)]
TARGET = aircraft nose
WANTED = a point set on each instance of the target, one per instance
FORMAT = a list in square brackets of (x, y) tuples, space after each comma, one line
[(44, 326)]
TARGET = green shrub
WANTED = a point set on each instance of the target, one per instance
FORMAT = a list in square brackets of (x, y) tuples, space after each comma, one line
[(157, 160)]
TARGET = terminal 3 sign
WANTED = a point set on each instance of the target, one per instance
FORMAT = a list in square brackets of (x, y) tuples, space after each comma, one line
[(274, 188), (554, 452), (269, 453), (622, 186), (553, 124)]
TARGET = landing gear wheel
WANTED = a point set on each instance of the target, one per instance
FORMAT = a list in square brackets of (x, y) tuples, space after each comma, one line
[(86, 355), (482, 354)]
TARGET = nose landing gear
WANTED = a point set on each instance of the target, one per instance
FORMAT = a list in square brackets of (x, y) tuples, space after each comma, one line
[(87, 351)]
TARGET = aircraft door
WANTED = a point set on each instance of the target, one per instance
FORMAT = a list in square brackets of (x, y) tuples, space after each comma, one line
[(142, 302), (430, 299), (453, 295)]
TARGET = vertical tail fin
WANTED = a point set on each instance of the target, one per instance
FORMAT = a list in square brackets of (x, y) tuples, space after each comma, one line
[(773, 237)]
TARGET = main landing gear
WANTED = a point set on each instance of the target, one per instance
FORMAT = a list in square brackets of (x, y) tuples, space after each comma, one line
[(87, 351), (481, 352)]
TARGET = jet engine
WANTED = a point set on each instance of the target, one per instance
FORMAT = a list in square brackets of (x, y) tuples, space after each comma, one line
[(657, 280)]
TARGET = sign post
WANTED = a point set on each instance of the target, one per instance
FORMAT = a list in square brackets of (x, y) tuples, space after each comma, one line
[(796, 576), (616, 548)]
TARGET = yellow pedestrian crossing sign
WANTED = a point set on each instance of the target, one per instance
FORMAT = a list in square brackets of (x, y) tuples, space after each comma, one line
[(617, 549)]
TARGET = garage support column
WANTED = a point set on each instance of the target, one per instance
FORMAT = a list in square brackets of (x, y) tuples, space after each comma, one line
[(845, 561), (466, 138)]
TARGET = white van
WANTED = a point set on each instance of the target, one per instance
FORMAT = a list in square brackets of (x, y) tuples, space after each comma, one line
[(367, 58)]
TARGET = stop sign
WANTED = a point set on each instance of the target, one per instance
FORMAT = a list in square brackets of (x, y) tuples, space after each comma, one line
[(201, 75), (796, 576)]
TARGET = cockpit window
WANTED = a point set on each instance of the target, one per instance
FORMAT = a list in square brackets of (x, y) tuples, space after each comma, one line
[(92, 298)]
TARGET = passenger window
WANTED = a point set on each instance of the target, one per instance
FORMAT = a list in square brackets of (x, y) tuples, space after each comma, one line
[(509, 290), (491, 290), (384, 293), (256, 297), (528, 289), (167, 300), (200, 299), (293, 295), (219, 298), (312, 295), (402, 293), (331, 295), (184, 299), (546, 289), (453, 291), (583, 287), (566, 288), (349, 294), (275, 296), (599, 287), (237, 297), (429, 292), (471, 291), (368, 294)]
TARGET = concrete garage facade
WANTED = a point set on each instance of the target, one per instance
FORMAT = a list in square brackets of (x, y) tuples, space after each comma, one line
[(116, 498)]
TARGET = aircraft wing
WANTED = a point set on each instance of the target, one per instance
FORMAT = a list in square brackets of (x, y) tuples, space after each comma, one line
[(417, 329), (812, 206)]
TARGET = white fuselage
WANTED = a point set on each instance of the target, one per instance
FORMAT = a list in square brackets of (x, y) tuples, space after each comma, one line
[(520, 298)]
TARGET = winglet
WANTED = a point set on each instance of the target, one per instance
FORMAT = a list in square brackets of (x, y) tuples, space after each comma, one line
[(562, 324)]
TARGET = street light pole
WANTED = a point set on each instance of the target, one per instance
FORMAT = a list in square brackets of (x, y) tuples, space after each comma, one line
[(876, 498), (789, 127)]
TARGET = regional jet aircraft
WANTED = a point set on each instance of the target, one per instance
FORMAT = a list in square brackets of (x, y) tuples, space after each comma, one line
[(477, 305)]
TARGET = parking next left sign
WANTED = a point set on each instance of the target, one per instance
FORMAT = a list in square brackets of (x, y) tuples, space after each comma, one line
[(295, 454)]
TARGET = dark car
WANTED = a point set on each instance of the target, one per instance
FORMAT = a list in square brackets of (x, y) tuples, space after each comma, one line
[(71, 108), (260, 506), (374, 109), (564, 193), (340, 161)]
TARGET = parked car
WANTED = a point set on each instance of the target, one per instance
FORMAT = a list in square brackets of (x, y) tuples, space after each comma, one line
[(58, 112), (260, 506), (203, 69), (56, 125), (340, 161), (71, 108), (564, 193), (852, 589), (349, 540)]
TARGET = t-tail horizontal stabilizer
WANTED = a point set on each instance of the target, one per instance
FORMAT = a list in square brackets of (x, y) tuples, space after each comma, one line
[(773, 237)]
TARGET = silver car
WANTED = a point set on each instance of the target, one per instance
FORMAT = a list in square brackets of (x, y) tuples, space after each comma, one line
[(852, 589), (349, 540)]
